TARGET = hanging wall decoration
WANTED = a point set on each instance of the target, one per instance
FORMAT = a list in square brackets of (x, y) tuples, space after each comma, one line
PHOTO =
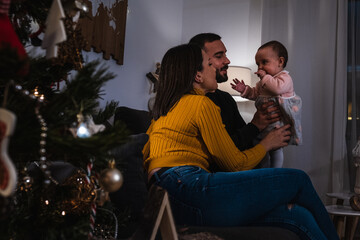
[(104, 28)]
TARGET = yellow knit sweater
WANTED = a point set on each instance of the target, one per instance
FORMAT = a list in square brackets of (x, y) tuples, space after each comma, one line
[(192, 133)]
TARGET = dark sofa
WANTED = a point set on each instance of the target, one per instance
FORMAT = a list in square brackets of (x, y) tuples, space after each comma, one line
[(131, 197)]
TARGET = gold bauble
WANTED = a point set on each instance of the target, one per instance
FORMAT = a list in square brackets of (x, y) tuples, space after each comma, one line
[(111, 179)]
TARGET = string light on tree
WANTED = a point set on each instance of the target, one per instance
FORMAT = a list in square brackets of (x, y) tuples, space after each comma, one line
[(36, 92), (27, 183), (82, 131)]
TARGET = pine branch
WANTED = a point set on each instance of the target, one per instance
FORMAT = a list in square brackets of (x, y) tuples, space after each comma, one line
[(81, 92), (105, 114), (79, 151), (23, 13)]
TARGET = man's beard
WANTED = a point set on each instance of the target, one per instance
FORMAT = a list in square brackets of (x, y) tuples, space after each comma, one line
[(220, 78)]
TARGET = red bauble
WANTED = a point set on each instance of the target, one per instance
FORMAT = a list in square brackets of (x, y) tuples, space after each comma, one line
[(8, 38)]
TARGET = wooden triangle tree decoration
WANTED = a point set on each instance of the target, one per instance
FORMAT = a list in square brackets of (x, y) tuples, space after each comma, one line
[(157, 214)]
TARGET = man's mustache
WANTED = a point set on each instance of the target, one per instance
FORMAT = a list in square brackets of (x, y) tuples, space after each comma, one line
[(224, 68)]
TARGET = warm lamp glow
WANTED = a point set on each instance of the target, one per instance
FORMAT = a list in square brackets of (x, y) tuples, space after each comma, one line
[(241, 73)]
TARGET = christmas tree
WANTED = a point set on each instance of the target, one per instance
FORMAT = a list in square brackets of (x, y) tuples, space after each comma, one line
[(56, 142)]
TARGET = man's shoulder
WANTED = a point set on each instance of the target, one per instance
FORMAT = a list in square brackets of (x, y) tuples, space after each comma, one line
[(220, 97)]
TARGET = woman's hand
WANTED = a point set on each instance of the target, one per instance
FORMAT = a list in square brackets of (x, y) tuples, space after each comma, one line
[(277, 138)]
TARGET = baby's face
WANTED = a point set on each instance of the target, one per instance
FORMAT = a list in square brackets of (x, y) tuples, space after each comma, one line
[(268, 61)]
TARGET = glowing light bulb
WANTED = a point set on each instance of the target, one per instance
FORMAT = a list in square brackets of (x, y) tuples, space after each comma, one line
[(36, 92), (82, 131), (63, 213)]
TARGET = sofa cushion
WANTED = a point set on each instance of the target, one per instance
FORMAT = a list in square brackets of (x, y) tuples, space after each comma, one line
[(246, 232), (137, 121)]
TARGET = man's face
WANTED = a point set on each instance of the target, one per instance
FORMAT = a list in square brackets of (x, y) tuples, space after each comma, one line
[(217, 52)]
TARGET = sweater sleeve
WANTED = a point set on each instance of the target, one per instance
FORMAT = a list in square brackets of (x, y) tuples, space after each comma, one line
[(279, 84), (251, 93), (146, 149), (219, 144)]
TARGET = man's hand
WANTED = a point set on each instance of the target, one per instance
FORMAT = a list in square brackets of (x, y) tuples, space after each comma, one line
[(277, 138), (268, 113)]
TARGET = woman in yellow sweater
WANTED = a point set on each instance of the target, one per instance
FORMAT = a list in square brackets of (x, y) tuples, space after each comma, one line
[(187, 137)]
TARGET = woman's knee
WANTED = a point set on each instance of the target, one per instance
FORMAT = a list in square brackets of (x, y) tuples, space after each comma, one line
[(297, 218), (298, 173)]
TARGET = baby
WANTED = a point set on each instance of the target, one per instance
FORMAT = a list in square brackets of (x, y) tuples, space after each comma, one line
[(275, 85)]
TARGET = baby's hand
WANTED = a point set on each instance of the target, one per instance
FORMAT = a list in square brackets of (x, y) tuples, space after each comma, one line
[(239, 85), (261, 73)]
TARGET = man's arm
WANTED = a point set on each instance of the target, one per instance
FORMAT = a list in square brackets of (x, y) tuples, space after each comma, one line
[(242, 134), (244, 137)]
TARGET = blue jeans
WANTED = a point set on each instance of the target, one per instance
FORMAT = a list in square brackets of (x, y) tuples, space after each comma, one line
[(255, 197)]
